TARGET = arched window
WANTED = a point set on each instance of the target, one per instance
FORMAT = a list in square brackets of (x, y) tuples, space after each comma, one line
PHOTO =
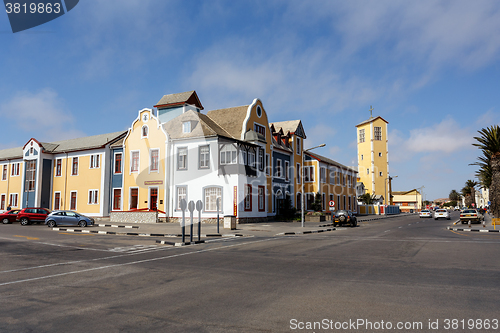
[(145, 131)]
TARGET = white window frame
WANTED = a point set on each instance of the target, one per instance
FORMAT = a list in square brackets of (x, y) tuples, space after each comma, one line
[(186, 127), (279, 170), (230, 150), (287, 170), (12, 202), (132, 153), (179, 198), (15, 167), (55, 173), (298, 146), (76, 200), (5, 171), (95, 161), (204, 157), (130, 197), (121, 163), (73, 166), (151, 163), (209, 204), (185, 159), (144, 127), (93, 197), (54, 202)]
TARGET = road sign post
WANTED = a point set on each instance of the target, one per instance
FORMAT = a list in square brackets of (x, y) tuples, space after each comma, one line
[(191, 207), (183, 205), (199, 207)]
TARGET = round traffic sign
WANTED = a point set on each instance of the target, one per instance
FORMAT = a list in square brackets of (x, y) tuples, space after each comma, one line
[(331, 203)]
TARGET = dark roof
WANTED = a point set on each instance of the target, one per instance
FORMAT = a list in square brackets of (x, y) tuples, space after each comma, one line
[(172, 100)]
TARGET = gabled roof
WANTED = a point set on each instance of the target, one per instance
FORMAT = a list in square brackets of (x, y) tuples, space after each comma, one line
[(230, 119), (11, 153), (172, 100), (370, 120), (89, 142), (329, 161), (292, 126), (206, 126)]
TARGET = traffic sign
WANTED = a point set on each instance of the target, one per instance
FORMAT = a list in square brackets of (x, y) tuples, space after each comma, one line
[(473, 205), (331, 203)]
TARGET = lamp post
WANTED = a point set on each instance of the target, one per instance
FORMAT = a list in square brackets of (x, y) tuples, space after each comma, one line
[(302, 176), (388, 178), (416, 198)]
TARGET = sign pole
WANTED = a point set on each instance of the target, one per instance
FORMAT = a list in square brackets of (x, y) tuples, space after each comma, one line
[(218, 205), (191, 207), (199, 207), (183, 205)]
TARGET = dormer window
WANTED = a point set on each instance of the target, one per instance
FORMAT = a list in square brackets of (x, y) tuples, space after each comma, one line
[(31, 151), (186, 127), (145, 131), (259, 111)]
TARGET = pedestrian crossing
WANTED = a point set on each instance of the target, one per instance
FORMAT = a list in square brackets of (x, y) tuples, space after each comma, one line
[(136, 248)]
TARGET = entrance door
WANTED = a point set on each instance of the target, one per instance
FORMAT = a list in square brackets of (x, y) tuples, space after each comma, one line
[(153, 198)]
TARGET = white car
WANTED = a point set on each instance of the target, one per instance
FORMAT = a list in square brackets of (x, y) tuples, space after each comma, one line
[(441, 214), (425, 213)]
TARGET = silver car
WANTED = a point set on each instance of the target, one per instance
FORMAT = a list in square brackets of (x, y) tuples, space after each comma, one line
[(441, 213), (68, 217)]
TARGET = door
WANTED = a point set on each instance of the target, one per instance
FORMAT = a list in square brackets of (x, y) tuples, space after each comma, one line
[(153, 198)]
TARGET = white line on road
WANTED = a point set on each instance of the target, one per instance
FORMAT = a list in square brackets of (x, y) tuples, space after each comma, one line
[(135, 262)]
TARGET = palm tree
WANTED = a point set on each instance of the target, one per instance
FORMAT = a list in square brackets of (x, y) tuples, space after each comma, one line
[(454, 196), (469, 192), (489, 172)]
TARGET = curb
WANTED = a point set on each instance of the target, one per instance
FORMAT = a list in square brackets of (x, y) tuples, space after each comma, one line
[(117, 226), (474, 230), (101, 232), (179, 243), (304, 232)]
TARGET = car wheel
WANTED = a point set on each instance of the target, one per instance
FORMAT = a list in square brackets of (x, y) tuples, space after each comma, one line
[(24, 221), (354, 223), (5, 221), (82, 224), (51, 224)]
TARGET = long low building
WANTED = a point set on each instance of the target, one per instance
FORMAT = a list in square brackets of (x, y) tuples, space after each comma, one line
[(232, 161)]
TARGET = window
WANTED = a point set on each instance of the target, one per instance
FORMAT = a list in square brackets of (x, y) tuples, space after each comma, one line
[(134, 164), (361, 157), (2, 202), (322, 175), (251, 159), (361, 135), (4, 173), (74, 169), (298, 173), (154, 160), (259, 111), (228, 154), (260, 129), (13, 200), (57, 200), (243, 157), (144, 131), (332, 177), (15, 169), (261, 159), (181, 194), (134, 198), (268, 167), (287, 167), (211, 194), (379, 154), (367, 171), (117, 199), (298, 202), (58, 167), (248, 197), (72, 204), (378, 133), (118, 163), (380, 173), (94, 161), (279, 172), (348, 180), (30, 175), (182, 158), (262, 203), (204, 155), (298, 147), (93, 197), (186, 127), (309, 173)]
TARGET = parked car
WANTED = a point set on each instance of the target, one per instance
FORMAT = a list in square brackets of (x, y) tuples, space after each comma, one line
[(29, 215), (68, 217), (345, 217), (425, 213), (9, 216), (441, 214), (471, 215)]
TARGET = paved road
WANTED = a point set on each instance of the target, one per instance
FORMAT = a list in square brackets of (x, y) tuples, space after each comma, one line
[(401, 271)]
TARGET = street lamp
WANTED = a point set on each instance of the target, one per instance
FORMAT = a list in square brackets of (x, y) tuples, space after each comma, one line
[(390, 178), (302, 194), (416, 198)]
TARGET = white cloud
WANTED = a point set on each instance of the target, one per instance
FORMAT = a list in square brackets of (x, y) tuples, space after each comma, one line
[(41, 115), (446, 136)]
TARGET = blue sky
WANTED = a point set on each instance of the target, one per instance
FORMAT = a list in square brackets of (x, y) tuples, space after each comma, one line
[(430, 68)]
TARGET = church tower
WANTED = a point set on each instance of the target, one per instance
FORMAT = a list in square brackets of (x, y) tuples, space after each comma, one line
[(373, 154)]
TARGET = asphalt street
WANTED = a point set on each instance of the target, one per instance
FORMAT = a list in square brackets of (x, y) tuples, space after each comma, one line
[(401, 274)]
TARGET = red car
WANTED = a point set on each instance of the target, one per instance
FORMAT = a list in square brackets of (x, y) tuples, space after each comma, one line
[(9, 216), (28, 215)]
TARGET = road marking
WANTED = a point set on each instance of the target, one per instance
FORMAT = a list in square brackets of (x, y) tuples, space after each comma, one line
[(72, 234), (135, 262), (28, 238)]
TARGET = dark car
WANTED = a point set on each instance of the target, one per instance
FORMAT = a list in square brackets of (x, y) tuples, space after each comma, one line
[(9, 216), (68, 217), (29, 215), (345, 217)]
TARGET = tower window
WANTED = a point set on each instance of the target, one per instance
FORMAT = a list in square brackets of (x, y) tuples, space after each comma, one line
[(362, 135), (378, 133)]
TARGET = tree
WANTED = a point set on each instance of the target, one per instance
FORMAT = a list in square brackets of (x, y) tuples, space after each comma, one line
[(489, 163), (317, 206), (469, 192), (454, 195), (366, 198)]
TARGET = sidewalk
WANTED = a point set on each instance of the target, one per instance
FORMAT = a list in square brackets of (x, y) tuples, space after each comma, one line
[(488, 227)]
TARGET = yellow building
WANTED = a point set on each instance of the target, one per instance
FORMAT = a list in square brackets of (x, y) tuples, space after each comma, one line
[(408, 200), (373, 155)]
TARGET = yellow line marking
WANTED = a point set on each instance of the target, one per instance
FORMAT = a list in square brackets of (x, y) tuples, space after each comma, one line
[(71, 233), (29, 238)]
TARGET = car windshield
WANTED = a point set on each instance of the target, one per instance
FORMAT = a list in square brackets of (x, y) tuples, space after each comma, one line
[(341, 212), (469, 211), (441, 211), (425, 211)]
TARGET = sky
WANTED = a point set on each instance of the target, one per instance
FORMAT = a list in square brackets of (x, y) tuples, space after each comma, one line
[(430, 68)]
